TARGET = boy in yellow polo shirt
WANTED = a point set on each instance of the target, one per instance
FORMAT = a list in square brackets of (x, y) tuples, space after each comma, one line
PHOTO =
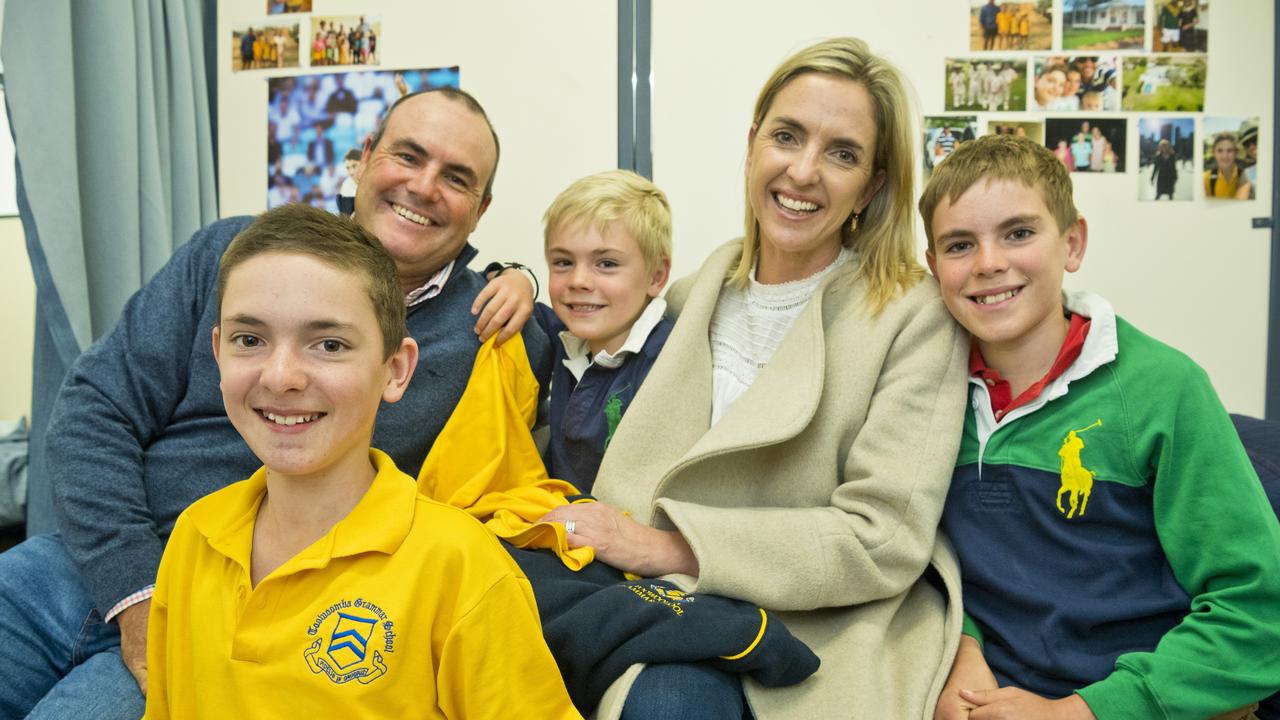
[(325, 585)]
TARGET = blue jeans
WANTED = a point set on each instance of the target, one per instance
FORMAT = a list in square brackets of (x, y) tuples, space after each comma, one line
[(685, 691), (60, 659)]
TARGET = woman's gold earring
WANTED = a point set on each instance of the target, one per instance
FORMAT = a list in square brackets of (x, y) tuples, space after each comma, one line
[(853, 223)]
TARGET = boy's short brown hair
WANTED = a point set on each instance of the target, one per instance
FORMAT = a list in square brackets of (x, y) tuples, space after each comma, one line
[(337, 241), (616, 195), (1000, 157)]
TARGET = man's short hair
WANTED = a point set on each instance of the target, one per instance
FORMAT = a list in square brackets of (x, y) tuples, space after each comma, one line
[(616, 195), (1000, 157), (337, 241), (458, 95)]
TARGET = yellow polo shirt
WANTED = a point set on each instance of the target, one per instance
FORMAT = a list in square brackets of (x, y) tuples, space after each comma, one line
[(407, 608)]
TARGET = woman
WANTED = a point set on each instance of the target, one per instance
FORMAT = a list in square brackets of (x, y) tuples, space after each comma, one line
[(793, 444), (1164, 171), (1225, 179)]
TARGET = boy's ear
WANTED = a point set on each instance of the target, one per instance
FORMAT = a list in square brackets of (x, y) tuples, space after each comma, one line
[(1077, 242), (217, 335), (932, 260), (658, 279), (400, 367)]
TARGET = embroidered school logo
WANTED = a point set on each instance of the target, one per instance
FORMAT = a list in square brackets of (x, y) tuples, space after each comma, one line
[(1077, 480), (358, 633), (672, 594)]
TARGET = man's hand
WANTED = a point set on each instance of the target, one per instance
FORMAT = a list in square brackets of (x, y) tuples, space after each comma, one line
[(505, 303), (133, 640), (969, 671), (624, 543), (1016, 704)]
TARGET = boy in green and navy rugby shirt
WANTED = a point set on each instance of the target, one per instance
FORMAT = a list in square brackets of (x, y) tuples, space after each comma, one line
[(1119, 556)]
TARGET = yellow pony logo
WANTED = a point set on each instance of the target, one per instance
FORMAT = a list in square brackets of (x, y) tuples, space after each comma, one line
[(1077, 480)]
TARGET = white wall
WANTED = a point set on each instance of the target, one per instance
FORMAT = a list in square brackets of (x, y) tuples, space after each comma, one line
[(17, 315), (544, 72), (1194, 275), (17, 321)]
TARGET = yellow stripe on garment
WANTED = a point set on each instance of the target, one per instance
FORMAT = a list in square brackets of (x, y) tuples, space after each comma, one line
[(764, 623)]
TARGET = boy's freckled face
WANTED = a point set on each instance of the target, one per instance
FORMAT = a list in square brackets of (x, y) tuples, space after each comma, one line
[(599, 282), (300, 354), (999, 259)]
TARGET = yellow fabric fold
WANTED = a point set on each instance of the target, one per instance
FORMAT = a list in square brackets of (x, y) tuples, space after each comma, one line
[(485, 461)]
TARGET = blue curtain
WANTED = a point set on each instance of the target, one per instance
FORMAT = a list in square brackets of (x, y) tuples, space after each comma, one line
[(110, 107)]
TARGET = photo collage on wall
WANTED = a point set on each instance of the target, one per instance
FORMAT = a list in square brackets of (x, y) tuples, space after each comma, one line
[(1082, 76), (318, 121)]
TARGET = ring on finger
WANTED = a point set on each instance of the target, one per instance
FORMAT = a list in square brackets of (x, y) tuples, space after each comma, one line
[(569, 526)]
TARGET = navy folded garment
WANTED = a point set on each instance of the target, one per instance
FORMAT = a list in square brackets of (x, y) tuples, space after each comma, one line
[(597, 624)]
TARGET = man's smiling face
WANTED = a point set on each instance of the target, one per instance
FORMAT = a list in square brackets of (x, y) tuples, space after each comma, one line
[(421, 189)]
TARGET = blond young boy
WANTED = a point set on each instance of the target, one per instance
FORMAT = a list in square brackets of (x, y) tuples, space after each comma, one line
[(325, 585), (608, 249), (1118, 554)]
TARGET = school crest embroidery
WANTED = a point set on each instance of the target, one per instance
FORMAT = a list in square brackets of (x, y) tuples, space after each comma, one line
[(1077, 480), (351, 637)]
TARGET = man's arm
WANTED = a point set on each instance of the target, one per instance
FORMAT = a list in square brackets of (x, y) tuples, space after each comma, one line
[(121, 397), (506, 301)]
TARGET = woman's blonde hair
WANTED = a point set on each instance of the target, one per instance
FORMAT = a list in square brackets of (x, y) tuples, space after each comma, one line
[(885, 238)]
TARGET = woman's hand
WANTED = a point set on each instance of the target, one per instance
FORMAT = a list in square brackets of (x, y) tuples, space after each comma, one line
[(624, 543), (1011, 703), (968, 672), (507, 303)]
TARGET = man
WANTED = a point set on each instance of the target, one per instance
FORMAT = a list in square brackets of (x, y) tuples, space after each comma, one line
[(987, 18), (139, 431)]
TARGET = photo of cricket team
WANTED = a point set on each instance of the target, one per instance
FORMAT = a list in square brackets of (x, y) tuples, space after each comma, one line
[(1164, 83), (1011, 25), (1103, 24), (942, 134), (1087, 144), (1230, 158), (1085, 82), (990, 84), (1166, 159)]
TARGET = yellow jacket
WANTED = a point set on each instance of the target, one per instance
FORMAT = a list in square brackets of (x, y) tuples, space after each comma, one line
[(485, 461)]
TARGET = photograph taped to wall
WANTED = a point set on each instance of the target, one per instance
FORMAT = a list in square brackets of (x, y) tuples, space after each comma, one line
[(990, 84), (315, 123), (275, 7), (943, 134), (1230, 158), (1164, 83), (1033, 129), (1103, 24), (264, 47), (1166, 158), (1009, 25), (344, 40), (1180, 26), (8, 177), (1089, 83), (1087, 144)]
